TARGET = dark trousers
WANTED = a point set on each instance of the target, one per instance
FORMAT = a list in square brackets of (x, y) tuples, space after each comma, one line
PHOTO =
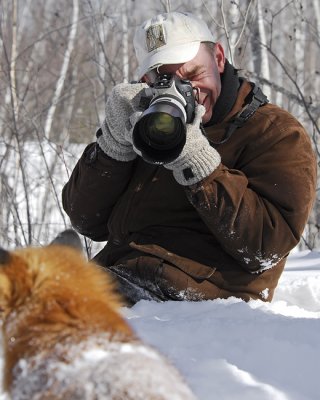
[(150, 278)]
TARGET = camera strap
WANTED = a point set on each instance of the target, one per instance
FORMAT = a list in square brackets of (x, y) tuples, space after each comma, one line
[(258, 99)]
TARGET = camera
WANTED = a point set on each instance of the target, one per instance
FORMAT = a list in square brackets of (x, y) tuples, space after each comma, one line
[(160, 133)]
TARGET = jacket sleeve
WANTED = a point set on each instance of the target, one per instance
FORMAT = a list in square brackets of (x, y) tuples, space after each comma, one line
[(95, 185), (257, 208)]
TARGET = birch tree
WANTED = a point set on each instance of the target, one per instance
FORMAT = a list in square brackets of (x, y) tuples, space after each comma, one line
[(265, 68), (125, 43), (64, 69)]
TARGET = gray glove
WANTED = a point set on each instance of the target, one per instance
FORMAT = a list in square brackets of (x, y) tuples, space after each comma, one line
[(121, 115), (197, 159)]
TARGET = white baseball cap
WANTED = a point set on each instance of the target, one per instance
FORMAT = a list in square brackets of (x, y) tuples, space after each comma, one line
[(170, 38)]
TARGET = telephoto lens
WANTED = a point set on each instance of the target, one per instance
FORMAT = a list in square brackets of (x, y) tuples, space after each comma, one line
[(160, 133)]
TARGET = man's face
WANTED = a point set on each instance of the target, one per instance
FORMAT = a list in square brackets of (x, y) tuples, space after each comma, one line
[(204, 73)]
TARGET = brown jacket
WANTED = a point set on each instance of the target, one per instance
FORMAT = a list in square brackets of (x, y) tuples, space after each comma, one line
[(234, 229)]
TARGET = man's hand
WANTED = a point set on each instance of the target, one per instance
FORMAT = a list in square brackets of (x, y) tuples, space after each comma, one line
[(115, 135), (197, 159)]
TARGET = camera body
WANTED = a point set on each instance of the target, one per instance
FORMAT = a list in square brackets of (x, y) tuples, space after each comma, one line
[(160, 133), (172, 89)]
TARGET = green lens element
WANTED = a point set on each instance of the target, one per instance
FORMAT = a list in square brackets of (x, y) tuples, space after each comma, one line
[(161, 123)]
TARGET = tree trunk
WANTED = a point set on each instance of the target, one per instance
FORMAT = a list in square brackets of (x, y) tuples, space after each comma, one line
[(64, 70)]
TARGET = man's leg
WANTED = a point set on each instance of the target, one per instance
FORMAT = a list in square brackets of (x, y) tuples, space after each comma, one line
[(130, 288), (150, 278)]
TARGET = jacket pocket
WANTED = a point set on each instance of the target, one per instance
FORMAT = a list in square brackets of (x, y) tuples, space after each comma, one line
[(192, 268)]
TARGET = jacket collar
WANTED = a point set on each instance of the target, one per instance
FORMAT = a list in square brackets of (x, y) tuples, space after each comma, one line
[(230, 84)]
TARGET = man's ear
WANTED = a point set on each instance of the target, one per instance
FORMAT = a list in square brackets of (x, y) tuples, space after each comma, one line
[(144, 79), (4, 256), (69, 238), (219, 56)]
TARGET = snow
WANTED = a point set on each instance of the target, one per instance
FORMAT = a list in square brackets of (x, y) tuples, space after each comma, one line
[(229, 349)]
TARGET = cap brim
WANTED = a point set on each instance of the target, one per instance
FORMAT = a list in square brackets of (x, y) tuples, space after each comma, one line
[(172, 55)]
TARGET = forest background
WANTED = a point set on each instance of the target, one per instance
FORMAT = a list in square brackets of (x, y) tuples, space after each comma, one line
[(59, 61)]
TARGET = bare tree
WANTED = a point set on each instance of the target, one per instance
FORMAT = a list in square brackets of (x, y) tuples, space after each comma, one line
[(64, 69)]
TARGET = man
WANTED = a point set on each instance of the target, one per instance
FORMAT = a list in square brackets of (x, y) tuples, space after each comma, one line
[(218, 220)]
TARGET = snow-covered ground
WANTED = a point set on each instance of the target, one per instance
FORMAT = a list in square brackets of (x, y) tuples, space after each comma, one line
[(231, 350)]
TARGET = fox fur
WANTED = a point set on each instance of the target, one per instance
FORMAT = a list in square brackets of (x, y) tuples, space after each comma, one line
[(64, 337)]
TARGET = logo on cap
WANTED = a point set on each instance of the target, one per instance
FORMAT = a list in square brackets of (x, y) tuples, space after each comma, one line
[(155, 37)]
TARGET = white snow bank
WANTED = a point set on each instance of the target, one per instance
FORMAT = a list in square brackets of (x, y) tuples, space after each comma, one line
[(231, 350)]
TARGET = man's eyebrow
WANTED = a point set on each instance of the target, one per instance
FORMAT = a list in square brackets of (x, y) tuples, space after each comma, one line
[(193, 70)]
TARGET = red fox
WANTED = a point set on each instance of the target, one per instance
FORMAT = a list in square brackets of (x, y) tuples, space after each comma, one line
[(63, 334)]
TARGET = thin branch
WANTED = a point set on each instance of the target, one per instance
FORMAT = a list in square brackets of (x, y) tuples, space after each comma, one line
[(244, 24), (49, 33), (226, 30), (13, 77), (211, 15), (286, 92), (304, 102)]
